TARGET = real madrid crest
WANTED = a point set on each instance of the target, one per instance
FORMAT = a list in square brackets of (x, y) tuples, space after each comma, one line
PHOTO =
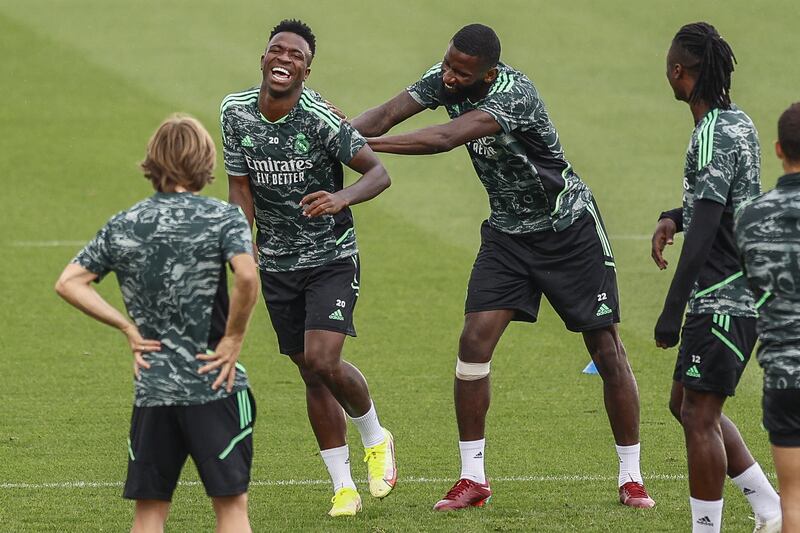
[(301, 144)]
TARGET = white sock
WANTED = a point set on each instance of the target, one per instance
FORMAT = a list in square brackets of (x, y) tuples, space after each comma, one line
[(758, 490), (369, 427), (338, 462), (629, 464), (472, 452), (706, 515)]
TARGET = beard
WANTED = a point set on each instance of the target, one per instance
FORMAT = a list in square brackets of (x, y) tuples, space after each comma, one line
[(472, 92)]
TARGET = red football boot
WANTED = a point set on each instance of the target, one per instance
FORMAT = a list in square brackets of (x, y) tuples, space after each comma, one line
[(465, 493), (633, 494)]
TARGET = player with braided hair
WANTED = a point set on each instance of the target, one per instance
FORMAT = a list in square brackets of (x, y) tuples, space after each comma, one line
[(702, 49), (721, 174)]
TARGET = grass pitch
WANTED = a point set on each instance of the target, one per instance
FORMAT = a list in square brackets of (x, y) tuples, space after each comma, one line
[(86, 82)]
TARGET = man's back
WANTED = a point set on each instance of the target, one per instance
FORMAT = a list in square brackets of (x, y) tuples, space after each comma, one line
[(169, 253), (768, 233)]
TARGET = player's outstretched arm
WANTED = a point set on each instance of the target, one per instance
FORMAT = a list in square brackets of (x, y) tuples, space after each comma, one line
[(243, 298), (75, 286), (436, 139), (373, 181), (699, 238), (378, 120)]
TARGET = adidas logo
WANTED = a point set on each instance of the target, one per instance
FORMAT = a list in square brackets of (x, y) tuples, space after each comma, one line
[(247, 141), (693, 372), (705, 521), (603, 310), (478, 455), (747, 492), (336, 315)]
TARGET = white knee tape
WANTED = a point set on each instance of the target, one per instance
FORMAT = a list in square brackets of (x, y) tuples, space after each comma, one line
[(471, 371)]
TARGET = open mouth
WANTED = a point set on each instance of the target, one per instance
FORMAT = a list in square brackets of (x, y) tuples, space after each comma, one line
[(450, 88), (280, 74)]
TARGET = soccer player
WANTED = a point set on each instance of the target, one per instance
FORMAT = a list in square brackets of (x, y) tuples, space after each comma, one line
[(544, 236), (283, 154), (169, 254), (768, 236), (720, 174)]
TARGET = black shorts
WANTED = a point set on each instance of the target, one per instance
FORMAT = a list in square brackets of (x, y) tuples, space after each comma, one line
[(714, 351), (322, 297), (782, 416), (218, 436), (573, 268)]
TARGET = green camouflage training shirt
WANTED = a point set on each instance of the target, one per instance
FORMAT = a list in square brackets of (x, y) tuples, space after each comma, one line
[(768, 235), (531, 186), (169, 253), (299, 154), (723, 164)]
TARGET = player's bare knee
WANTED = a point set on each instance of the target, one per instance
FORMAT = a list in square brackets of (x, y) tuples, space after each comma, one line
[(612, 368), (150, 515), (697, 417), (230, 504), (322, 364), (472, 348), (694, 423), (613, 365), (310, 378), (322, 369)]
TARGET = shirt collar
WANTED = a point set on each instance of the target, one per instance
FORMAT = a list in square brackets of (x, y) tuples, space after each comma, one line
[(789, 180), (285, 117)]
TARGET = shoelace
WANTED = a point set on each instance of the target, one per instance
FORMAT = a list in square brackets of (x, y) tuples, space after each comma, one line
[(337, 495), (378, 455), (458, 489), (635, 490)]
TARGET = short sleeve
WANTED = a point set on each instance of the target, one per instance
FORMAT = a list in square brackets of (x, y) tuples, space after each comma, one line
[(426, 91), (341, 140), (96, 256), (716, 165), (236, 236), (512, 105), (234, 158)]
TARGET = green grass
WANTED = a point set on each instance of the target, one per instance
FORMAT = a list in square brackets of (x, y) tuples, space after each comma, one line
[(86, 82)]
